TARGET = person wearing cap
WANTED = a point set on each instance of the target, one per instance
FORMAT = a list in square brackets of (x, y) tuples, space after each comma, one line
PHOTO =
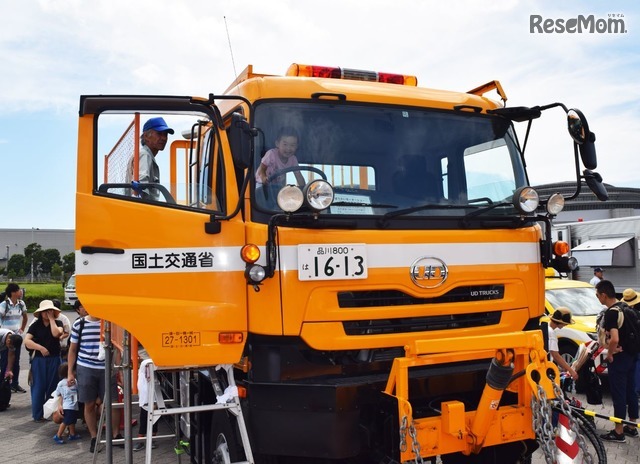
[(560, 318), (43, 337), (597, 276), (621, 365), (154, 137)]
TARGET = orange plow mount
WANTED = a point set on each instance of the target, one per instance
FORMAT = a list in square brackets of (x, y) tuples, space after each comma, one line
[(518, 365)]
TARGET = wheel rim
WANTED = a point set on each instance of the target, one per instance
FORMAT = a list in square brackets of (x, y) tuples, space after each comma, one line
[(221, 455)]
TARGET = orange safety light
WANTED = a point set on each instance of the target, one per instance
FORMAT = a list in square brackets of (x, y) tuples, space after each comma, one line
[(560, 248), (250, 253), (306, 70), (242, 392), (227, 338)]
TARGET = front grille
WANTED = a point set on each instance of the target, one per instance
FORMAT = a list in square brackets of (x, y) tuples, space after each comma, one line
[(367, 299), (421, 324)]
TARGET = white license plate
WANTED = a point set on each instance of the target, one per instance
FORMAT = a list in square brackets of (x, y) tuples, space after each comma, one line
[(333, 261)]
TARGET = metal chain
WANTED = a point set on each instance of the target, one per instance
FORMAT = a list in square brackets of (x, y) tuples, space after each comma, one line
[(403, 434), (415, 445), (542, 425), (586, 456)]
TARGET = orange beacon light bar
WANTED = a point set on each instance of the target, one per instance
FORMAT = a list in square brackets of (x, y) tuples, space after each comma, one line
[(306, 70)]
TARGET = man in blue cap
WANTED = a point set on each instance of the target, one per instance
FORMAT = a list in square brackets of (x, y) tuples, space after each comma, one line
[(153, 140)]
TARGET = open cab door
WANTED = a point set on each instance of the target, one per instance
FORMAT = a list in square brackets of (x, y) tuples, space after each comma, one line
[(154, 259)]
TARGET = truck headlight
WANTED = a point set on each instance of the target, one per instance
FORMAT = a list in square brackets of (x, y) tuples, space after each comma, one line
[(555, 204), (526, 200), (290, 198), (318, 194), (255, 274)]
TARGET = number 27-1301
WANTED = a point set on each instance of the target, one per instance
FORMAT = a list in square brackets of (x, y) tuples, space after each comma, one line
[(177, 339)]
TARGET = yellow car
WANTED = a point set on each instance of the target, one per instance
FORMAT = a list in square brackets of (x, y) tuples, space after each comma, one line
[(580, 298)]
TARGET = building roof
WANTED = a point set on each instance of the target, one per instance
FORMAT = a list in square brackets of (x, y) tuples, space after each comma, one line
[(619, 197)]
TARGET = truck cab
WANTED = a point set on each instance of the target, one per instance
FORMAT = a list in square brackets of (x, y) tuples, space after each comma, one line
[(381, 278)]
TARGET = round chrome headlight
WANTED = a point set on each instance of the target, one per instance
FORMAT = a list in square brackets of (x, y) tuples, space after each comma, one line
[(526, 199), (290, 198), (555, 204), (319, 194), (255, 273)]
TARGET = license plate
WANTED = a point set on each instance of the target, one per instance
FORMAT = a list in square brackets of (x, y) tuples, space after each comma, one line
[(332, 261)]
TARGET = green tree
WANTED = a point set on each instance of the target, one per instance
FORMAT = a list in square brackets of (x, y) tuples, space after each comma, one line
[(56, 271), (33, 255), (49, 257), (69, 263), (16, 265)]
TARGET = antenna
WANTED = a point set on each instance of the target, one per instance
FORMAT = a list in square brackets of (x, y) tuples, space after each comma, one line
[(230, 49)]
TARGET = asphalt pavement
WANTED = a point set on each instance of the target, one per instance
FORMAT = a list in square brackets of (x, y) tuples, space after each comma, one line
[(23, 441)]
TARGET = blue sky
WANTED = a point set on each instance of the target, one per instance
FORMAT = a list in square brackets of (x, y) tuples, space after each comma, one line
[(53, 51)]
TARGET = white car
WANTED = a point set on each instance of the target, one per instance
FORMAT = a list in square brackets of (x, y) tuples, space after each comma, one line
[(70, 296)]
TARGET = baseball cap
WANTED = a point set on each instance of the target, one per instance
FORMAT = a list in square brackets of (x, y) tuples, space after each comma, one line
[(598, 269), (157, 124)]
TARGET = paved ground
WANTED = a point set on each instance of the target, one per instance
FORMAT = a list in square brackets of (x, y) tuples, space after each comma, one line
[(24, 442)]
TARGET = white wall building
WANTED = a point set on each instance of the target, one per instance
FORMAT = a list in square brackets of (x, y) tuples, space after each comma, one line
[(14, 241)]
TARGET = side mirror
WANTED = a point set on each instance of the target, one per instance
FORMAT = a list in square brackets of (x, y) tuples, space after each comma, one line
[(594, 181), (588, 152), (580, 133), (239, 134)]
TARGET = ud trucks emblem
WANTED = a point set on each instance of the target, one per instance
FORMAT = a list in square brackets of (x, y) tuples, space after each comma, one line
[(428, 272)]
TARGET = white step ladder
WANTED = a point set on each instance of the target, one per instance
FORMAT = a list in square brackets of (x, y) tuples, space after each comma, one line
[(229, 400)]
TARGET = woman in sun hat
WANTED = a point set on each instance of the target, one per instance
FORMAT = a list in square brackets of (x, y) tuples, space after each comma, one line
[(43, 337), (631, 297)]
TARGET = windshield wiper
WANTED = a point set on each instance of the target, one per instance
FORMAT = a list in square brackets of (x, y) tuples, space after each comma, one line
[(415, 209), (484, 209)]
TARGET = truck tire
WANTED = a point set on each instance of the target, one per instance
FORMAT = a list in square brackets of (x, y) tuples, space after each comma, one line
[(225, 435)]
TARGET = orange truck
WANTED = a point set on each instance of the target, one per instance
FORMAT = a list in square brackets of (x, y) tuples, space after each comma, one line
[(368, 254)]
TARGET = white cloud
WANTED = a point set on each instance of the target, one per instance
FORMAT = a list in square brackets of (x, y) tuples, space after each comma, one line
[(55, 50)]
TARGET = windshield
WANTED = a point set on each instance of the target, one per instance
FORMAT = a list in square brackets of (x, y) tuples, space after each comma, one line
[(582, 301), (384, 159)]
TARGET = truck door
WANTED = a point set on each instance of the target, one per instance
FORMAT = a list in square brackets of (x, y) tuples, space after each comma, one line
[(154, 259)]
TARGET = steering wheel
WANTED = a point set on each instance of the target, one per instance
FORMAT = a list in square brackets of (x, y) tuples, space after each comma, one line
[(280, 172)]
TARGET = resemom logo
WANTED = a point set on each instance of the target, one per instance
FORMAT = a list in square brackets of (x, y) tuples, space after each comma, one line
[(613, 23)]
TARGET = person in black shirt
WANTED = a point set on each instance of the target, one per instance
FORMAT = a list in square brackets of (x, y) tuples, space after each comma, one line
[(43, 337), (621, 365)]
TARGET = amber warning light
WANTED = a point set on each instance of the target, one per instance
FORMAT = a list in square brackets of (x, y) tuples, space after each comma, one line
[(305, 70)]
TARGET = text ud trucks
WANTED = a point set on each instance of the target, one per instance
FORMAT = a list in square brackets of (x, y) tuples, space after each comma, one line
[(386, 311)]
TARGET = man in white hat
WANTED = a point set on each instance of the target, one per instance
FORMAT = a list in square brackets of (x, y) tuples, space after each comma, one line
[(560, 318), (43, 337)]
